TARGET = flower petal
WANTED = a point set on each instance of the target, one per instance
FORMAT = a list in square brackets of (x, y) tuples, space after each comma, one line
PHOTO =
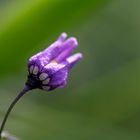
[(52, 68), (59, 79), (58, 51), (55, 48), (44, 57), (62, 37), (74, 59), (68, 47), (57, 74)]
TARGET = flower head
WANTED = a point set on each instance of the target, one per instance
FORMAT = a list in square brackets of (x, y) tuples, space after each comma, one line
[(49, 68)]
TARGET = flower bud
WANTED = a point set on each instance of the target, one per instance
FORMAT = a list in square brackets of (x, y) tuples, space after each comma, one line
[(49, 68)]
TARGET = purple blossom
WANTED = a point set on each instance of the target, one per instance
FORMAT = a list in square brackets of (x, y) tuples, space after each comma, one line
[(49, 68)]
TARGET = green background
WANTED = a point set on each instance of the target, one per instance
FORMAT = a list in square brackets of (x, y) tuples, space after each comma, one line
[(102, 98)]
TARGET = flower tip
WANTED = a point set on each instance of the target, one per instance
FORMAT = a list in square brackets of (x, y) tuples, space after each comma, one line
[(74, 59), (63, 36), (79, 55), (73, 41)]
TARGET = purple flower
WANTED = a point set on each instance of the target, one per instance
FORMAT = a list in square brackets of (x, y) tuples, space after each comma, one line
[(49, 68)]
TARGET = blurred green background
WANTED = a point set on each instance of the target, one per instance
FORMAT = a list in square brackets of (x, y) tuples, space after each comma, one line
[(102, 98)]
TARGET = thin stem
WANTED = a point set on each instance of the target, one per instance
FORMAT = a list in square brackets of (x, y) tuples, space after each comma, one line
[(26, 88)]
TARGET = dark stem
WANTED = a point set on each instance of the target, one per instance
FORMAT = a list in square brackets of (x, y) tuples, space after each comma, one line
[(26, 88)]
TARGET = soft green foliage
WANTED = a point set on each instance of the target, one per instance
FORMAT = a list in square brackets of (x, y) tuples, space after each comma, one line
[(102, 98)]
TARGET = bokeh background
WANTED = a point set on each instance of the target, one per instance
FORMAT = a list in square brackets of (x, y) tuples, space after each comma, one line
[(102, 98)]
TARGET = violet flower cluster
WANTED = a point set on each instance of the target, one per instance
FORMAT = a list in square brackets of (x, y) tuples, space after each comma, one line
[(49, 68)]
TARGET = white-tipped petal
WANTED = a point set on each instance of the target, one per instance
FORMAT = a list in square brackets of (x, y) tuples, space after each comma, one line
[(35, 70), (43, 76), (45, 82), (31, 69), (62, 37)]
